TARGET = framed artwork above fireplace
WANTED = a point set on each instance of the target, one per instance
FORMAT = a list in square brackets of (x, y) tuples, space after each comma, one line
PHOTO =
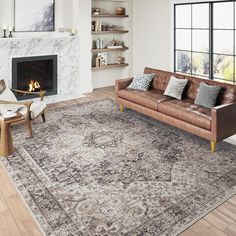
[(34, 15)]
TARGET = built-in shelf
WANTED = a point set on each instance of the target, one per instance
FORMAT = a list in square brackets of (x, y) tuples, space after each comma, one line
[(109, 66), (109, 15), (111, 32), (109, 49)]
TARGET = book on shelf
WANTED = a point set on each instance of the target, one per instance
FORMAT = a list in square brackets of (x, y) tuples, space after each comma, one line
[(98, 26)]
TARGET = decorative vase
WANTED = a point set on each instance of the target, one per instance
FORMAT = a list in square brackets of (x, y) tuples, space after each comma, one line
[(120, 60), (120, 11)]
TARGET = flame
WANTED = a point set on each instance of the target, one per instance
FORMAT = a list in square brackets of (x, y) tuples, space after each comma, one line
[(33, 85)]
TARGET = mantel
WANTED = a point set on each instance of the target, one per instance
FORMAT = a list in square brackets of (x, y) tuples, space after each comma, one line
[(37, 37)]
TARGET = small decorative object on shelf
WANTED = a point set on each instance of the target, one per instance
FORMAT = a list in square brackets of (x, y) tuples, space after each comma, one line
[(93, 25), (4, 27), (98, 61), (99, 44), (98, 26), (101, 60), (72, 32), (120, 60), (97, 11), (10, 31), (112, 27), (115, 44), (103, 57), (120, 11)]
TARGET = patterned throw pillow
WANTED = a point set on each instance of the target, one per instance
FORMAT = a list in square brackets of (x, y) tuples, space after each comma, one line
[(142, 82), (2, 86), (175, 88), (207, 95)]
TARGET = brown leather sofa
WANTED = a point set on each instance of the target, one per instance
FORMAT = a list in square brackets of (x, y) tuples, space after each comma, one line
[(213, 124)]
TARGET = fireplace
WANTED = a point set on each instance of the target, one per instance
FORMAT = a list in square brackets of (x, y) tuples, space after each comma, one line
[(35, 74)]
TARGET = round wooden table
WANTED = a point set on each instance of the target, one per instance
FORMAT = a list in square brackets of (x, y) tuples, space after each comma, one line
[(6, 146)]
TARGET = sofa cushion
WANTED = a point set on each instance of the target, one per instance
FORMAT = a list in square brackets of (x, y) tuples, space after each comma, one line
[(187, 111), (176, 88), (141, 82), (149, 99), (207, 95), (162, 78), (227, 93)]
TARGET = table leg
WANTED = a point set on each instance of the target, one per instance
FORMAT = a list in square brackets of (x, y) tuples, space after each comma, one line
[(6, 140)]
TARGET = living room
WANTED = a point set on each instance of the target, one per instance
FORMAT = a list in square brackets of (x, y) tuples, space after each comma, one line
[(118, 117)]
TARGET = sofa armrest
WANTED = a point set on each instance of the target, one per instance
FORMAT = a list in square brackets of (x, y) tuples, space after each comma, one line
[(223, 124), (122, 84)]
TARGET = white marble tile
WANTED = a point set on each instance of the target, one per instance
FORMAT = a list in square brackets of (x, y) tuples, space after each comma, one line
[(66, 48)]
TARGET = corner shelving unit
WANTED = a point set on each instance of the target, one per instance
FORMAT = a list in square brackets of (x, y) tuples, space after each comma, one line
[(109, 17)]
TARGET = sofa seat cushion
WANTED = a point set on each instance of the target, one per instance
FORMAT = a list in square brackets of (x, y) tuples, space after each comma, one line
[(187, 111), (149, 99)]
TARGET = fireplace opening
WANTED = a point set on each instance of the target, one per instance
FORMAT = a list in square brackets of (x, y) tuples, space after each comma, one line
[(35, 74)]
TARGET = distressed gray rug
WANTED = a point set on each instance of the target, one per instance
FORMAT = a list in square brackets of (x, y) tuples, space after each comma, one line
[(91, 170)]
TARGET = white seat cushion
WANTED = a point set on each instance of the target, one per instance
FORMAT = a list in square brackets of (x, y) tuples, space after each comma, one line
[(36, 108)]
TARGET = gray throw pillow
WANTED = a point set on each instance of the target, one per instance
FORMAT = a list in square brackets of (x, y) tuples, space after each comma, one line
[(142, 82), (176, 87), (207, 95)]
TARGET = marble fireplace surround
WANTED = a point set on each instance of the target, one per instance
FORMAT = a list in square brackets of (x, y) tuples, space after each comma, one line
[(67, 51)]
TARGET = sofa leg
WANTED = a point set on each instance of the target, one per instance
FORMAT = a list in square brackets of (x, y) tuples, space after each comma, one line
[(213, 146), (121, 108)]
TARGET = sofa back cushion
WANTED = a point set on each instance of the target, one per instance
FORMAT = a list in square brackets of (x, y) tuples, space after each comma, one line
[(227, 93), (162, 78)]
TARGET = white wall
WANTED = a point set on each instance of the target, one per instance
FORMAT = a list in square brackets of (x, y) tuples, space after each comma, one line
[(63, 13), (152, 35), (82, 22)]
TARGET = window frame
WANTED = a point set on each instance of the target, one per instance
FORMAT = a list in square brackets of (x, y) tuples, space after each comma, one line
[(211, 39)]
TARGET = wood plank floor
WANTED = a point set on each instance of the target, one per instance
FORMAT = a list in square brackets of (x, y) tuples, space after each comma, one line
[(16, 220)]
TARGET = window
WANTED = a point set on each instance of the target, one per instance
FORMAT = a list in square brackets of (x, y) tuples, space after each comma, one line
[(205, 40)]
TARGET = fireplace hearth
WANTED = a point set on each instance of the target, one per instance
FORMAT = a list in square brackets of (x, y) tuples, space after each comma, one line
[(35, 74)]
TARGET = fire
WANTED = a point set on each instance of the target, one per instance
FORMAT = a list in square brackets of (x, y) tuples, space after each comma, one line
[(33, 85)]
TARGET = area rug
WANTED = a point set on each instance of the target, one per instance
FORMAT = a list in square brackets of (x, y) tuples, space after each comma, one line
[(91, 170)]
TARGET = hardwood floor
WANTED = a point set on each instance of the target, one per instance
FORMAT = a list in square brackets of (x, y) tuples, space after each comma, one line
[(16, 220)]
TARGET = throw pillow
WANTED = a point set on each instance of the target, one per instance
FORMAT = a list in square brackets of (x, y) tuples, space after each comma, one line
[(207, 95), (175, 88), (2, 86), (142, 82), (8, 95)]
